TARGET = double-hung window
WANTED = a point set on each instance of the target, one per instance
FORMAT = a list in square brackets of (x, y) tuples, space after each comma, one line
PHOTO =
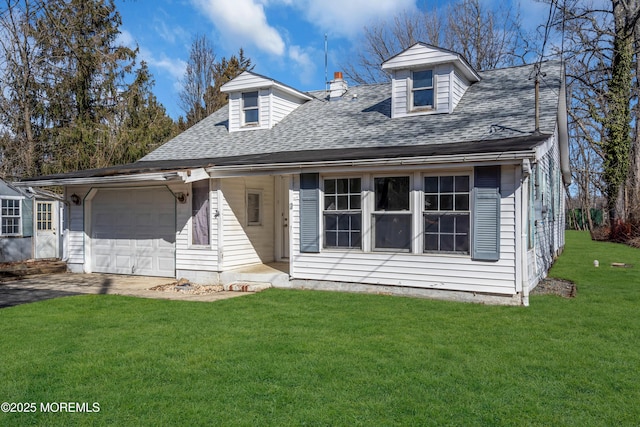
[(392, 214), (422, 90), (446, 214), (10, 217), (250, 110), (342, 213)]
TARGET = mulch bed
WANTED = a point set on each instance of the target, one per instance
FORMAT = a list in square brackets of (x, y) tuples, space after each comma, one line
[(13, 270), (551, 286)]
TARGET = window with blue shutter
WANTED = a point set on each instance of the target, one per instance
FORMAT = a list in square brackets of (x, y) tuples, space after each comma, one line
[(309, 212), (486, 214)]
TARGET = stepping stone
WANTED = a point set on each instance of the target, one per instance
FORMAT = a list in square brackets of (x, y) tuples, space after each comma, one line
[(242, 286)]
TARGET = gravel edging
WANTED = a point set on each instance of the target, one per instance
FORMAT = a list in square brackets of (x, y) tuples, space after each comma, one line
[(553, 286)]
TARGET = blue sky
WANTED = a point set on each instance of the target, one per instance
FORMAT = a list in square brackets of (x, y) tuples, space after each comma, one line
[(283, 38)]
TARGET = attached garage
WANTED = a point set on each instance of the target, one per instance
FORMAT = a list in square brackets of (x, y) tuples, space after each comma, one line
[(133, 231)]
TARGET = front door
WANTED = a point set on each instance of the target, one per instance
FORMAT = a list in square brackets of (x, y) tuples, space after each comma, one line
[(282, 218), (46, 235)]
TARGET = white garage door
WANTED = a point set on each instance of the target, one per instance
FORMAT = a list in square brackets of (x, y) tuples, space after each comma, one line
[(133, 232)]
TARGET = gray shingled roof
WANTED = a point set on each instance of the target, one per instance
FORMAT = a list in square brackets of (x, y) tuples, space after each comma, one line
[(495, 115), (499, 107)]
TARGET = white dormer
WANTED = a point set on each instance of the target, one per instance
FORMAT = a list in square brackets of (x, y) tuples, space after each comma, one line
[(427, 80), (258, 102)]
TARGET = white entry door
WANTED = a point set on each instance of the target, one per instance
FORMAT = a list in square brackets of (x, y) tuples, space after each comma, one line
[(46, 219), (282, 218)]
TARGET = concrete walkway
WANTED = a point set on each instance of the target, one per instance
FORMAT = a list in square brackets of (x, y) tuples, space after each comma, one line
[(47, 286)]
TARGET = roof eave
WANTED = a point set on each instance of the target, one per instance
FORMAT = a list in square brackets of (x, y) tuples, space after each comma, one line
[(115, 179)]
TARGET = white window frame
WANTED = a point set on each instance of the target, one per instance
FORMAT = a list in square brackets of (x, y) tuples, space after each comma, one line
[(19, 216), (349, 211), (445, 212), (409, 212), (245, 109), (254, 192), (413, 89)]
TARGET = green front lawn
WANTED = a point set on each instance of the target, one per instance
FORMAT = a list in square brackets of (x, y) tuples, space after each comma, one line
[(321, 358)]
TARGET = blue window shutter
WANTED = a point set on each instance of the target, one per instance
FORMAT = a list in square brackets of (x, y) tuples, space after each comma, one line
[(487, 177), (27, 217), (486, 214), (309, 212)]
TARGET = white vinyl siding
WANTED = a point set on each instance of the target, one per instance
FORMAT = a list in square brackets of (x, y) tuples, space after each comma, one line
[(548, 231), (459, 86), (273, 104), (400, 93), (422, 270), (443, 92), (246, 245), (281, 105), (419, 55)]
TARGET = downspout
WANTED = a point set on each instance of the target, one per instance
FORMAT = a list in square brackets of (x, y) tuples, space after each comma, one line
[(524, 244), (563, 135)]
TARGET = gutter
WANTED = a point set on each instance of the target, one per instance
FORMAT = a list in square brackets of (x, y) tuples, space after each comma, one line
[(284, 168), (117, 179)]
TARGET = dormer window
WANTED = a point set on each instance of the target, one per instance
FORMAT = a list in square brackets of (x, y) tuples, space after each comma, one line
[(427, 80), (258, 102), (250, 109), (422, 90)]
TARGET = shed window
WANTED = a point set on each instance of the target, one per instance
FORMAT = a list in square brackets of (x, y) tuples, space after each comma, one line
[(10, 217), (342, 213), (392, 215), (200, 222), (422, 89), (446, 214), (250, 108)]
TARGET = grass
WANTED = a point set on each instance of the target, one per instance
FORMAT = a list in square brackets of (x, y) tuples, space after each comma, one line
[(320, 358)]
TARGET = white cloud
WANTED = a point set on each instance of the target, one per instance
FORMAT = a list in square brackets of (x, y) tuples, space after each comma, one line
[(303, 63), (243, 21), (125, 38), (169, 34), (175, 67), (348, 17)]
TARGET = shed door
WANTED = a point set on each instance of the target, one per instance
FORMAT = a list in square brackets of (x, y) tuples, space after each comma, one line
[(46, 235), (133, 232)]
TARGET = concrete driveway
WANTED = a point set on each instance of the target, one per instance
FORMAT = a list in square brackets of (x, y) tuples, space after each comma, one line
[(47, 286)]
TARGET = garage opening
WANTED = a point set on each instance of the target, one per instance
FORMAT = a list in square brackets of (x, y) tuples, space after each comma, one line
[(133, 231)]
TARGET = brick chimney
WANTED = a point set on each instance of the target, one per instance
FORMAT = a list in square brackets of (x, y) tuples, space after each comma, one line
[(338, 86)]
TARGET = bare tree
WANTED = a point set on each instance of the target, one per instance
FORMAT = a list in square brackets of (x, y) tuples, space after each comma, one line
[(198, 77), (19, 60), (599, 51), (486, 37)]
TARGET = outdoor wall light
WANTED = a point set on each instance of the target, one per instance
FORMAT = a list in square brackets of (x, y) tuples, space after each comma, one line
[(75, 199), (181, 198)]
